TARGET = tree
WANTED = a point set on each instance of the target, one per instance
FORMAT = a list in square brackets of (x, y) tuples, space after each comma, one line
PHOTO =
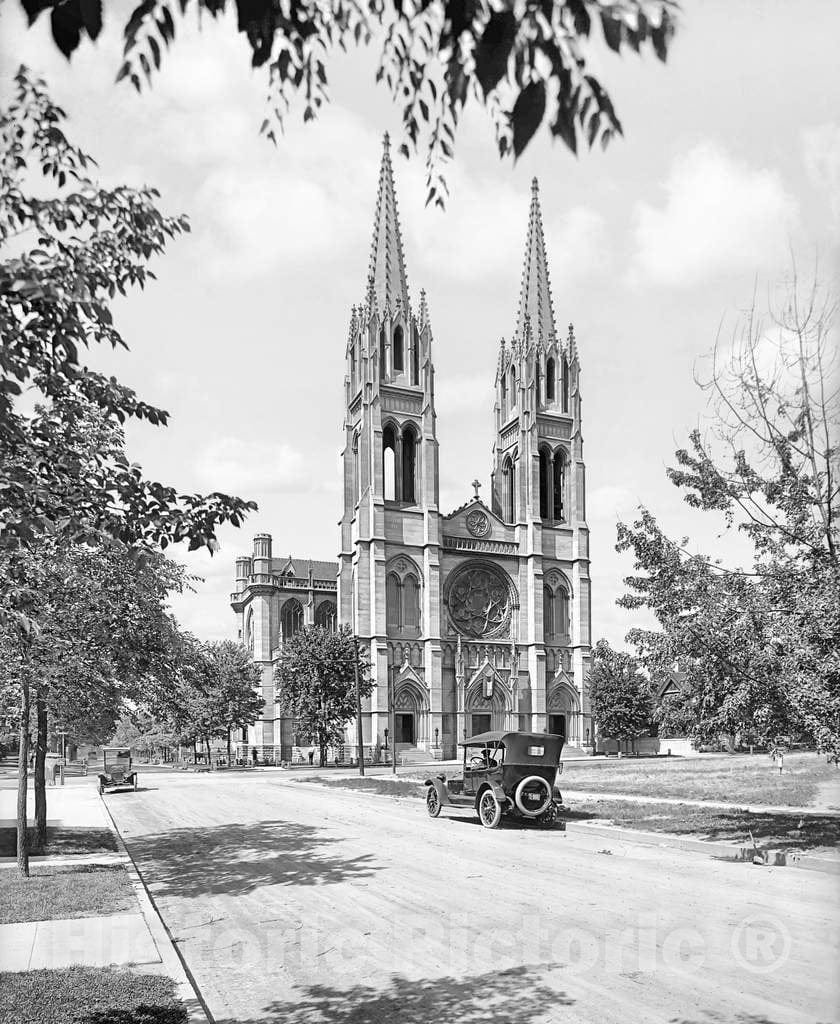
[(315, 681), (619, 693), (524, 61), (64, 476), (759, 644), (100, 629), (215, 691)]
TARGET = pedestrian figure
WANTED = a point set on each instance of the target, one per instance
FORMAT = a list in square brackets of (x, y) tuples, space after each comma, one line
[(311, 756)]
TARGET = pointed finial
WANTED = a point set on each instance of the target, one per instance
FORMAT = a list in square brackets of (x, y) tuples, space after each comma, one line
[(386, 142), (535, 186), (475, 485), (423, 315)]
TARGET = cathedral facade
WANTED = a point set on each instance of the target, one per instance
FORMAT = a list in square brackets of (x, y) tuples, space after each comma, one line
[(473, 620)]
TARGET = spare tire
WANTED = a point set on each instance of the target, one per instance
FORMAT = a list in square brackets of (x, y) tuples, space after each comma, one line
[(532, 796)]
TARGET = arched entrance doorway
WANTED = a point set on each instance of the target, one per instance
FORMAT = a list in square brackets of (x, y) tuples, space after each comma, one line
[(563, 710), (411, 712)]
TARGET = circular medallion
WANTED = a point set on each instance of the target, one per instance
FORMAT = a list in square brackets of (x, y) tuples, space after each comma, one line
[(477, 523), (479, 601)]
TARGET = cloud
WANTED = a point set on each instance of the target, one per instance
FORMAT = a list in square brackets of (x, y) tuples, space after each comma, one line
[(610, 502), (719, 216), (234, 466), (483, 231), (462, 393), (821, 154)]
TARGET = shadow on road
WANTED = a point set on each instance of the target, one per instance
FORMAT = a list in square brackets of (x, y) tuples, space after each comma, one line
[(515, 996), (236, 859)]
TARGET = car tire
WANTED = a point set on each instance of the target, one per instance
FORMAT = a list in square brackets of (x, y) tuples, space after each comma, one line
[(531, 812), (433, 803), (489, 809)]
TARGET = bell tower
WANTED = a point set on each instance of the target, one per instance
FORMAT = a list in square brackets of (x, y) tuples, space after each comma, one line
[(390, 527), (538, 482)]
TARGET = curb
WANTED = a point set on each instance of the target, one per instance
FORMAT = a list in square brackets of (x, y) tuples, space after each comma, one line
[(724, 851), (171, 958)]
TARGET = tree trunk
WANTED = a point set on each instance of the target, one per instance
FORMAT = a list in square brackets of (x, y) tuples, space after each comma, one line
[(228, 746), (322, 746), (40, 770), (23, 768), (207, 748)]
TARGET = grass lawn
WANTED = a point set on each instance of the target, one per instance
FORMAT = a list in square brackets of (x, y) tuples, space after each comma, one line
[(739, 779), (52, 893), (62, 841), (88, 995), (815, 834)]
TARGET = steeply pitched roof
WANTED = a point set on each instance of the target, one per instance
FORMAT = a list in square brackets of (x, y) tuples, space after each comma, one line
[(387, 281), (299, 568), (536, 311)]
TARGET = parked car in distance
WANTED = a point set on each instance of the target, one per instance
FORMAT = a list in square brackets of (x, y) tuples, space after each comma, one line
[(117, 772), (504, 773)]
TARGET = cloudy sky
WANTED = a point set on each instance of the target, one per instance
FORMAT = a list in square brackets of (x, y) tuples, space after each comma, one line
[(731, 161)]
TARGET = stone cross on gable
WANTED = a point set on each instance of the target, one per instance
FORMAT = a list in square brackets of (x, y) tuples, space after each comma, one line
[(476, 485)]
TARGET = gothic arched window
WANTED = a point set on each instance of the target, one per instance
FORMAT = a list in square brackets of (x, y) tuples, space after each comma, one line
[(409, 459), (548, 611), (397, 350), (564, 384), (411, 602), (357, 468), (549, 379), (556, 608), (503, 391), (393, 602), (389, 463), (537, 380), (353, 367), (513, 387), (291, 618), (415, 358), (325, 616), (509, 473), (559, 499), (545, 485), (382, 353)]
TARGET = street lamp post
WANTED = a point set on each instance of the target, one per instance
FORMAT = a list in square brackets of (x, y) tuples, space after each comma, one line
[(359, 731)]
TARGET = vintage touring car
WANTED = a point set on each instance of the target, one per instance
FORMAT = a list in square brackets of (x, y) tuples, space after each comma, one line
[(505, 773), (116, 769)]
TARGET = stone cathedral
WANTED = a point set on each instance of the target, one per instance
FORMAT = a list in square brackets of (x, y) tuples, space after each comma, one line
[(473, 620)]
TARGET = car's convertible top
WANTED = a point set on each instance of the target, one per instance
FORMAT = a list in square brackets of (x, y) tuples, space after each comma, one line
[(520, 744)]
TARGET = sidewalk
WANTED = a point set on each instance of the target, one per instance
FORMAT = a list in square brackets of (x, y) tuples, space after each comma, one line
[(116, 940), (131, 939)]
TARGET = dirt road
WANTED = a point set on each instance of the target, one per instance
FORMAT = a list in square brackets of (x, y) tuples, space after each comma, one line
[(297, 904)]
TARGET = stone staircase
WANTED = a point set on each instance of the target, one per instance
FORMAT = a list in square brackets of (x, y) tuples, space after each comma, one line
[(407, 753)]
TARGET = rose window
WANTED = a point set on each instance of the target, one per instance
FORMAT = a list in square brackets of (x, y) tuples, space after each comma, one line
[(479, 601)]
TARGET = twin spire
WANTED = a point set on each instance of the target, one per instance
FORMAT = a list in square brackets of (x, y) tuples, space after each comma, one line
[(387, 283)]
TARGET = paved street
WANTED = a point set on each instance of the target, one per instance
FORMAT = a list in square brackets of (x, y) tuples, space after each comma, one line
[(298, 904)]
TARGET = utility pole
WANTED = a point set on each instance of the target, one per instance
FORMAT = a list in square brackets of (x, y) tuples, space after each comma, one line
[(359, 731), (392, 719)]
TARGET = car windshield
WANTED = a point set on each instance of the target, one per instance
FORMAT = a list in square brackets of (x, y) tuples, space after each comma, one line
[(492, 755)]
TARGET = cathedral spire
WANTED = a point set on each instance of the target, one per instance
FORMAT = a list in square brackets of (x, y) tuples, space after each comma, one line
[(535, 307), (387, 282)]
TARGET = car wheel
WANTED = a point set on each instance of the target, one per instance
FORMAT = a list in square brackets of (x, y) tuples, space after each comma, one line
[(432, 802), (526, 788), (489, 809)]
